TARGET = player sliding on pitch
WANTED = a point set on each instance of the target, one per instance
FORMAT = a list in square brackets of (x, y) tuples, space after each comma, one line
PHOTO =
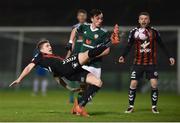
[(70, 68)]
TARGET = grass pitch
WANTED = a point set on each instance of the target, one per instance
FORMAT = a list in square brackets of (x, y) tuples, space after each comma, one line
[(106, 106)]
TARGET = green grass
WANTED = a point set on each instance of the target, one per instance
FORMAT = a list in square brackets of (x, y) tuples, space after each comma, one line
[(106, 106)]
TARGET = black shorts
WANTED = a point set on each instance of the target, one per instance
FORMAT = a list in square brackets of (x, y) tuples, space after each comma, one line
[(68, 66), (72, 70), (79, 76), (138, 71)]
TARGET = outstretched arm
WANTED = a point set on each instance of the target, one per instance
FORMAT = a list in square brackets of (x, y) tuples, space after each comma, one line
[(25, 72)]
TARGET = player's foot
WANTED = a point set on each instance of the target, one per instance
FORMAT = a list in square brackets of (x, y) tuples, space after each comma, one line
[(130, 109), (85, 113), (154, 110), (74, 105), (81, 111), (115, 39)]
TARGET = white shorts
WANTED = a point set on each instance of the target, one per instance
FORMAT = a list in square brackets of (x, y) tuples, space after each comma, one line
[(95, 71)]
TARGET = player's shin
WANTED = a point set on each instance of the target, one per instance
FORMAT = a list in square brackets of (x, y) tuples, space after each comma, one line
[(88, 95), (154, 96), (96, 51), (132, 96)]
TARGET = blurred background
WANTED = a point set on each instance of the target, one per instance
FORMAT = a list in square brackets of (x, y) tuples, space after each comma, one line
[(23, 23)]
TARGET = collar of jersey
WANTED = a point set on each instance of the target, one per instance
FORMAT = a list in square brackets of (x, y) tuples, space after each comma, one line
[(93, 29)]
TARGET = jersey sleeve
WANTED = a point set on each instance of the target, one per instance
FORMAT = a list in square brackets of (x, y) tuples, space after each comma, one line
[(36, 59), (130, 43), (105, 36), (80, 28)]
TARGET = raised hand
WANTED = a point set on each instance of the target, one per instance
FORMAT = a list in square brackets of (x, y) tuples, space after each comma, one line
[(172, 61), (121, 59)]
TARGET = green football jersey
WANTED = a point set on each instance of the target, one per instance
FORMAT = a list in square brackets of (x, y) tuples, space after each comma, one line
[(91, 38), (78, 40)]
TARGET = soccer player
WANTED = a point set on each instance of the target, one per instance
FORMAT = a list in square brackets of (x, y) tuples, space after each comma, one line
[(74, 44), (69, 68), (75, 41), (92, 35), (145, 60)]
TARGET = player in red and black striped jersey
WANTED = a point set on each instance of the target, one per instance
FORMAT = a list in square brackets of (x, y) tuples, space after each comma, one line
[(70, 68), (145, 39)]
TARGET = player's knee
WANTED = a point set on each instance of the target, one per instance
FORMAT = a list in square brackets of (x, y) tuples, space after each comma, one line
[(83, 57), (98, 83), (91, 79), (133, 84), (154, 83)]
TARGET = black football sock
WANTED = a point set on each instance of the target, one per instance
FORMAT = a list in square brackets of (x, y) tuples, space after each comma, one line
[(96, 51), (99, 49), (80, 96), (88, 95), (154, 96), (132, 96)]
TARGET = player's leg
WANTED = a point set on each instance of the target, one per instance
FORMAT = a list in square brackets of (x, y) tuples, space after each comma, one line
[(132, 96), (95, 71), (93, 87), (154, 94), (44, 84), (152, 75), (94, 84), (90, 54), (35, 86), (136, 74), (71, 95)]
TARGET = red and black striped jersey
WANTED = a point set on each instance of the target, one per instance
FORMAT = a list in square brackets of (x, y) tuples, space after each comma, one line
[(49, 62), (145, 50)]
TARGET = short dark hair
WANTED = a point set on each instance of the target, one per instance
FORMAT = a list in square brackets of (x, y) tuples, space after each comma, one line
[(40, 43), (144, 13), (95, 12), (81, 11)]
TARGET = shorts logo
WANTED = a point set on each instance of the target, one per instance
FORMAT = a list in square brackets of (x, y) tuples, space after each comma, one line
[(155, 73), (133, 75), (74, 65)]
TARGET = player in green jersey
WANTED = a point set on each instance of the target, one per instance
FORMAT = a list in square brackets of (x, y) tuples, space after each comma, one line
[(92, 35)]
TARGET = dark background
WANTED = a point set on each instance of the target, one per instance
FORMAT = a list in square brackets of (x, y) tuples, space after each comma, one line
[(61, 12)]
